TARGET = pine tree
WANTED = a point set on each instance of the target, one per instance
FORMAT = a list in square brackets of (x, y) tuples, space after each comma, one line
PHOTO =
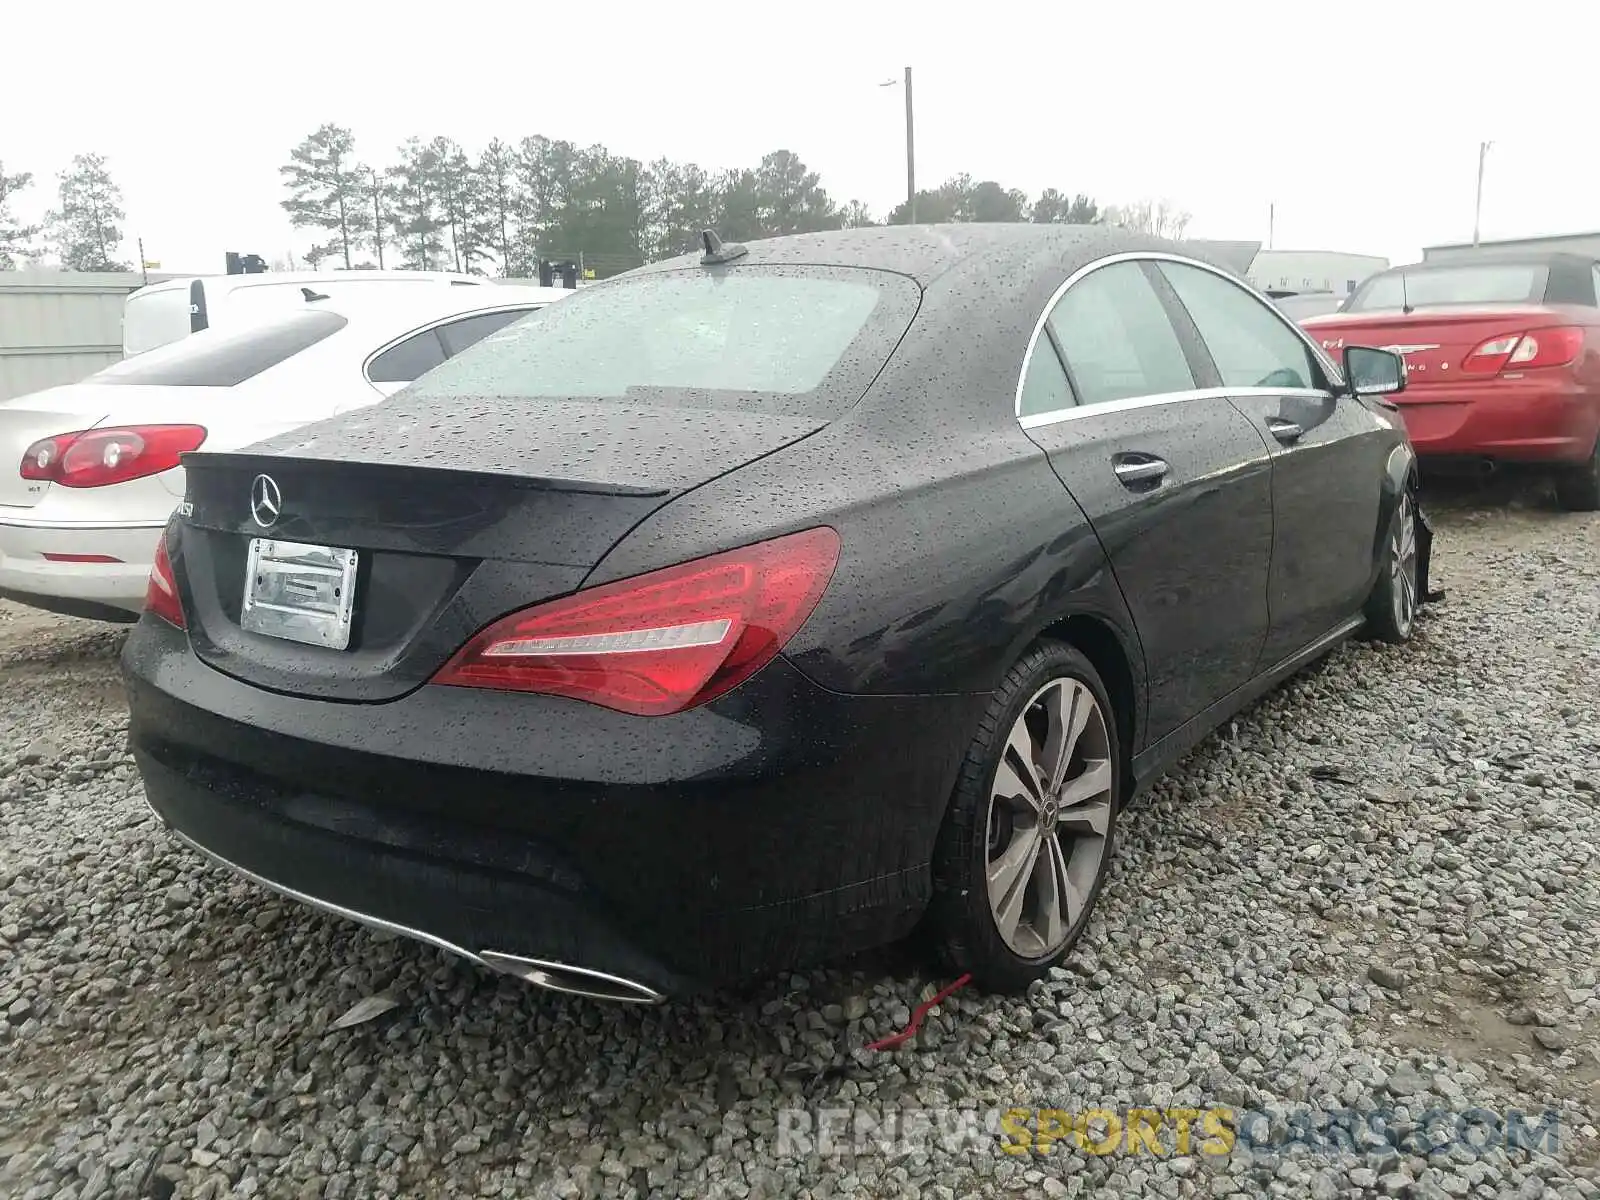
[(15, 239), (86, 227), (328, 190)]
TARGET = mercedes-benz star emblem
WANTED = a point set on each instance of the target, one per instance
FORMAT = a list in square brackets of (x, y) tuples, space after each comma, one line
[(266, 501)]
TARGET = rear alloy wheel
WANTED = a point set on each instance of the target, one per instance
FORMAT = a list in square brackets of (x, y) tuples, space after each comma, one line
[(1392, 608), (1578, 488), (1029, 834)]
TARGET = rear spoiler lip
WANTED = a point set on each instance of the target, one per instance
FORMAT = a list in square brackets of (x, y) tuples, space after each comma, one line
[(206, 461)]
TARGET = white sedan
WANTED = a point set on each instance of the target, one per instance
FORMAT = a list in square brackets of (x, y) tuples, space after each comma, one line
[(97, 472)]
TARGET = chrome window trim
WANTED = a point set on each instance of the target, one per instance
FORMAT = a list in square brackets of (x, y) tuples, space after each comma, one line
[(1127, 403), (1049, 418), (522, 306)]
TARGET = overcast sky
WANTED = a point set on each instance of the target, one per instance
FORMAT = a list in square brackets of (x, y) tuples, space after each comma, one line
[(1360, 121)]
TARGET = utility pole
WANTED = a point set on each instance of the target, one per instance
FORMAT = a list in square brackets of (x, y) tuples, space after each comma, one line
[(911, 154), (1272, 214), (144, 267), (1477, 213)]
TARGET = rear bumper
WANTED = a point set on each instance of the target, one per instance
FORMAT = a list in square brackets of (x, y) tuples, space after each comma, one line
[(780, 825), (82, 588), (1533, 420)]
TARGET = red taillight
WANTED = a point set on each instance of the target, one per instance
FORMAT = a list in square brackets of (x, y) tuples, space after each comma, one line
[(42, 460), (99, 457), (1553, 347), (658, 643), (161, 593)]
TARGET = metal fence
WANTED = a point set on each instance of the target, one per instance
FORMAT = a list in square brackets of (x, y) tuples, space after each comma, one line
[(59, 326)]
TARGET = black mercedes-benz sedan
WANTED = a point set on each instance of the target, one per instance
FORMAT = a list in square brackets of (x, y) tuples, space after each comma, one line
[(767, 603)]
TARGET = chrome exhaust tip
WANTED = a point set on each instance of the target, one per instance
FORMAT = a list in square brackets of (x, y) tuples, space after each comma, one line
[(571, 980)]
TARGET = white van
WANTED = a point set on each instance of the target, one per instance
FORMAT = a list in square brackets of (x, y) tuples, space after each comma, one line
[(164, 312)]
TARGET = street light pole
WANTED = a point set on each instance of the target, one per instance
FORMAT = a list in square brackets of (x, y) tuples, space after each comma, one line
[(911, 148), (911, 154), (1477, 212)]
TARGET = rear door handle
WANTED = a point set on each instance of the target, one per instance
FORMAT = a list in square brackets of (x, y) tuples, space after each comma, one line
[(1136, 469), (1284, 431)]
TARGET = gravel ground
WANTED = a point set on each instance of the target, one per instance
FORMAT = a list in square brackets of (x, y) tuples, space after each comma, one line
[(1377, 890)]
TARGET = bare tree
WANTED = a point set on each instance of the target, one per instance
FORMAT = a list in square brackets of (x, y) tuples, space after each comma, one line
[(1160, 218)]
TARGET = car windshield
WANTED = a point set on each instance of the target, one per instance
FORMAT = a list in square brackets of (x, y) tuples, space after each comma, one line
[(787, 340), (1431, 287)]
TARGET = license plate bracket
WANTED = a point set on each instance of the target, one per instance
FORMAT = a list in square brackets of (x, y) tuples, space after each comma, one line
[(300, 592)]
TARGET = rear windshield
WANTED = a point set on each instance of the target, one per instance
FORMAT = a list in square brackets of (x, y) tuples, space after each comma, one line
[(790, 340), (1431, 287), (154, 319), (223, 358)]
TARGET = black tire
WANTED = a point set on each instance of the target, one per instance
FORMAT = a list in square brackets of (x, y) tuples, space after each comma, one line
[(961, 919), (1392, 613), (1578, 488)]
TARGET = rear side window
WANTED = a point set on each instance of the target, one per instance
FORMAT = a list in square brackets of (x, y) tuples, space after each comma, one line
[(403, 362), (1433, 287), (1116, 337), (223, 358), (1045, 388), (1249, 343), (156, 318), (458, 335), (791, 340)]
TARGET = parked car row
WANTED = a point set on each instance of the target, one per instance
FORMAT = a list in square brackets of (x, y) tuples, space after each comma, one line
[(762, 604)]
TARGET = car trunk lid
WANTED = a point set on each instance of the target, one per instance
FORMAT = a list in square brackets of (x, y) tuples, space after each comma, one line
[(454, 520), (1434, 342), (26, 419)]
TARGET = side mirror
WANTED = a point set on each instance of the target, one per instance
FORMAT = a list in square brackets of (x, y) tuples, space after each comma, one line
[(1373, 372)]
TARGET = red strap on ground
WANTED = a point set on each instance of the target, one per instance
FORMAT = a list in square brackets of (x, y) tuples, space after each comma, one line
[(922, 1010)]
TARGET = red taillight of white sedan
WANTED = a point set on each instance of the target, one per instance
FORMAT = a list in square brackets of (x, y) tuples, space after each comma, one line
[(662, 642), (89, 458)]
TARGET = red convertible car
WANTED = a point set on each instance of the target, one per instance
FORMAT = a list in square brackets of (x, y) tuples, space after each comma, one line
[(1502, 360)]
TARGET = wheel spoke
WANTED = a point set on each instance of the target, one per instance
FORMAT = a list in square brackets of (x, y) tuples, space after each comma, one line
[(1092, 817), (1051, 924), (1094, 783), (1011, 784), (1008, 879), (1019, 769), (1067, 706), (1080, 873)]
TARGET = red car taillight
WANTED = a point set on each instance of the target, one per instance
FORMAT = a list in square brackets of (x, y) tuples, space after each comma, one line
[(161, 593), (100, 457), (658, 643), (42, 460), (1553, 347)]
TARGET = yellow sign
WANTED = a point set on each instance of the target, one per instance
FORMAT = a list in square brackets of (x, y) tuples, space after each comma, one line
[(152, 266)]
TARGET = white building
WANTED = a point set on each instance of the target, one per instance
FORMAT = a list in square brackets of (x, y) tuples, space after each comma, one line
[(1312, 270), (1570, 243)]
